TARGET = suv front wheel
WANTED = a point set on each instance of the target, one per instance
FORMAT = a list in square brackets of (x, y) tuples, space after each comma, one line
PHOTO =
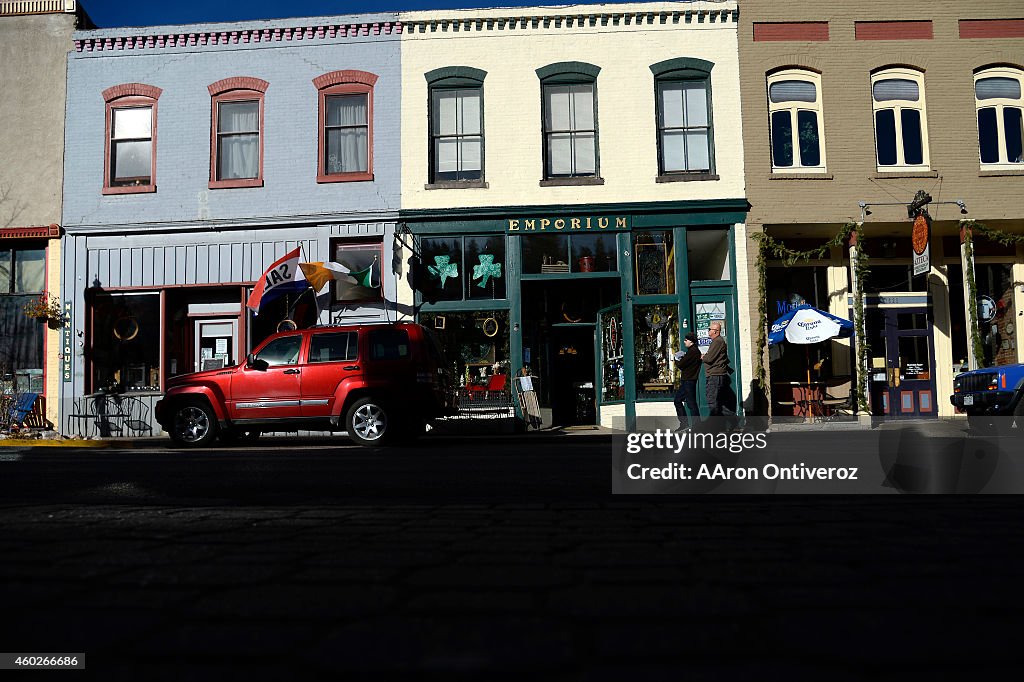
[(368, 422), (193, 424)]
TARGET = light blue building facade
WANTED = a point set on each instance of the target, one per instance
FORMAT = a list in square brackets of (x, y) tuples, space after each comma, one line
[(195, 157)]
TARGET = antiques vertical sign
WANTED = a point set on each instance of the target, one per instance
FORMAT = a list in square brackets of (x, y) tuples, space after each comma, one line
[(66, 347)]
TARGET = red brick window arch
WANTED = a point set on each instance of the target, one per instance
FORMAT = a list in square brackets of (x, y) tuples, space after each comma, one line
[(236, 132), (129, 158), (345, 127)]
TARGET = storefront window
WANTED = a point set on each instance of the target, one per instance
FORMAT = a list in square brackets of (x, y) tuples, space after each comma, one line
[(654, 258), (553, 254), (485, 267), (363, 282), (997, 317), (655, 338), (125, 344), (22, 280), (613, 380), (475, 344), (790, 287), (707, 253), (462, 268)]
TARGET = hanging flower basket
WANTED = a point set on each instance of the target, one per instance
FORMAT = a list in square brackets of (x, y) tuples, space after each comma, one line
[(46, 309)]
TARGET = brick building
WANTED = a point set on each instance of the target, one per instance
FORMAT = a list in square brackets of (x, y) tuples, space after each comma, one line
[(849, 110), (198, 155)]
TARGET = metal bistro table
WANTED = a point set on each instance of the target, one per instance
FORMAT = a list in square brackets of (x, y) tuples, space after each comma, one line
[(109, 414)]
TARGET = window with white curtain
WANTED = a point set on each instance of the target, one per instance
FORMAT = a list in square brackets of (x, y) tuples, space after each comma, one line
[(901, 129), (238, 140), (456, 132), (345, 137), (570, 130), (997, 94), (346, 132), (684, 126), (795, 121), (236, 157)]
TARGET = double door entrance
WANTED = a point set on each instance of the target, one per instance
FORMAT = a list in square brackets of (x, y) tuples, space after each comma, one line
[(901, 361)]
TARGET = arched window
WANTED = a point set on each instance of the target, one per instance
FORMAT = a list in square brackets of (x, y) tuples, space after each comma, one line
[(997, 96), (685, 141), (456, 126), (130, 154), (901, 129), (569, 99), (346, 126), (236, 147), (795, 118)]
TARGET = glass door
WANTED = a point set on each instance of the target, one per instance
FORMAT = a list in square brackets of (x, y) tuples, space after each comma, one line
[(904, 378), (708, 308), (610, 355)]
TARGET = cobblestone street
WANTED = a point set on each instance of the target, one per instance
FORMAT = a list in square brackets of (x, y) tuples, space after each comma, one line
[(452, 562)]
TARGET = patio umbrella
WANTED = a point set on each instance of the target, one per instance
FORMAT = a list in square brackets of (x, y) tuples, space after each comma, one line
[(805, 325)]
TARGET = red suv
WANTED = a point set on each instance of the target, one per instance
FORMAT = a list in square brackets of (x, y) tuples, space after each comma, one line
[(377, 382)]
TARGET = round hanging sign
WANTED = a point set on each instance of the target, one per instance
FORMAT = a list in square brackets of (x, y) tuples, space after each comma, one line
[(986, 309)]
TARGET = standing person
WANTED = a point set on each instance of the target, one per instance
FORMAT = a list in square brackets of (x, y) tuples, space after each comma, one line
[(688, 364), (717, 368)]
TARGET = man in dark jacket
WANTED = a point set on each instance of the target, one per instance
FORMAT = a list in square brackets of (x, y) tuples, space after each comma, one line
[(688, 364), (716, 361)]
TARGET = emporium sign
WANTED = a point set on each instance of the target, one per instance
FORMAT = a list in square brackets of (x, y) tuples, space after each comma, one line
[(557, 224)]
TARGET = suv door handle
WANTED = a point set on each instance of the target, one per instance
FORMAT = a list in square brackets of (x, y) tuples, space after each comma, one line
[(350, 368), (291, 371)]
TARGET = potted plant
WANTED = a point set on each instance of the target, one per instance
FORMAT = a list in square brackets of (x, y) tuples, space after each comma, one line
[(47, 309)]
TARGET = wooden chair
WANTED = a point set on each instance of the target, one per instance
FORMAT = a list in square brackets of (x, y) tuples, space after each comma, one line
[(21, 408)]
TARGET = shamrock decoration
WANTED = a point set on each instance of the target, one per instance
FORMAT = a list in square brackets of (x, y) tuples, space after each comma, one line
[(443, 268), (487, 269)]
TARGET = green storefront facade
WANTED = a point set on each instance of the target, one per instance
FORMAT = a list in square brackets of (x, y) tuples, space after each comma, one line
[(591, 300)]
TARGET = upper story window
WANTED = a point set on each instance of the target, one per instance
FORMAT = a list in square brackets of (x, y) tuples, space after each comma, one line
[(456, 126), (130, 154), (794, 112), (569, 103), (236, 148), (997, 94), (345, 147), (901, 130), (685, 140)]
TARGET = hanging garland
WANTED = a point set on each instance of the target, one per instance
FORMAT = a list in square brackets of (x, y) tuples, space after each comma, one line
[(772, 249)]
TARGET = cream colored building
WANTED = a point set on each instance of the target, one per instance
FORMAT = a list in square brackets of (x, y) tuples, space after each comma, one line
[(581, 149)]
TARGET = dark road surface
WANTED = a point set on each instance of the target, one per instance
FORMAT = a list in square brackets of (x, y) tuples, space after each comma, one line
[(505, 561)]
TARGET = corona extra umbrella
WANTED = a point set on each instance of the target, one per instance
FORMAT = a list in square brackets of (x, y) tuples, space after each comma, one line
[(805, 325)]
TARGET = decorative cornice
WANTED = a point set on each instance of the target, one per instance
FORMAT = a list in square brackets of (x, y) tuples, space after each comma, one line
[(347, 76), (131, 90), (568, 21), (42, 232), (235, 37), (238, 83)]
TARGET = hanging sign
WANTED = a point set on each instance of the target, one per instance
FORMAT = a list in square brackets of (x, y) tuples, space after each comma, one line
[(920, 238)]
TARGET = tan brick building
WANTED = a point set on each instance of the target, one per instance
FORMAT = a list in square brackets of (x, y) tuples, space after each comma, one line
[(849, 110)]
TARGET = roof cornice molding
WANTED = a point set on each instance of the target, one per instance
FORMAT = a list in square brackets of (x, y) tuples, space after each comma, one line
[(162, 37), (701, 14)]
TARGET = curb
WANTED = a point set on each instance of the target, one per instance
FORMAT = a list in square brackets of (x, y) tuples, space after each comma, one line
[(40, 443)]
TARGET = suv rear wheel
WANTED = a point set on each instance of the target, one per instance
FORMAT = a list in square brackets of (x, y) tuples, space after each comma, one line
[(368, 422), (193, 424)]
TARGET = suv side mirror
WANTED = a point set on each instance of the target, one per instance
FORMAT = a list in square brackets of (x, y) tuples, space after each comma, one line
[(253, 362)]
